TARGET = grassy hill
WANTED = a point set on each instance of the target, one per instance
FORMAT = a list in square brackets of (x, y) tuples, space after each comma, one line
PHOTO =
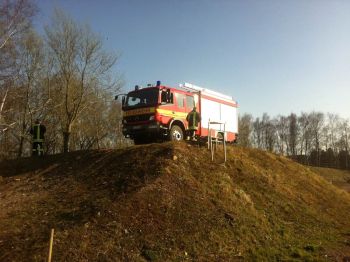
[(169, 202), (339, 178)]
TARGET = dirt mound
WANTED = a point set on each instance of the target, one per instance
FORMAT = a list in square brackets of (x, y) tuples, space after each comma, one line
[(169, 202)]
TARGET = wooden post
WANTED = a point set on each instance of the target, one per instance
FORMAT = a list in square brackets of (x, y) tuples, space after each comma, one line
[(51, 244)]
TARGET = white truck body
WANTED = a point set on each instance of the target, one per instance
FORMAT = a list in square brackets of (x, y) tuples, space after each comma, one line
[(216, 107)]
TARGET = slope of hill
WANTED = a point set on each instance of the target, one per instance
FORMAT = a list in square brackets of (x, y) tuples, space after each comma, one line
[(338, 177), (169, 202)]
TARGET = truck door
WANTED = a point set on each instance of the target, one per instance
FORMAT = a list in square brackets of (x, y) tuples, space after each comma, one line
[(180, 103), (189, 103)]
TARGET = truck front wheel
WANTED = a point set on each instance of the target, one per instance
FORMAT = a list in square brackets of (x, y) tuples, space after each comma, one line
[(176, 133)]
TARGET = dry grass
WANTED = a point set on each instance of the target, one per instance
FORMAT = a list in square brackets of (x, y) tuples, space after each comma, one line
[(339, 178), (144, 204)]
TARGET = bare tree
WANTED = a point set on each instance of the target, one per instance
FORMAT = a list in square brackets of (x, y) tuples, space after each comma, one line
[(316, 120), (305, 135), (333, 122), (258, 133), (268, 132), (80, 65), (264, 132), (293, 133), (15, 19), (31, 62), (245, 130), (282, 134), (310, 138), (344, 141)]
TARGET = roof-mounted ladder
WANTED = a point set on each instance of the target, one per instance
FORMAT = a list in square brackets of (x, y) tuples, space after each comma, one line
[(194, 88)]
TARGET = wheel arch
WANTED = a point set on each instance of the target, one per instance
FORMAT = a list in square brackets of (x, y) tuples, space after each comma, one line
[(179, 123)]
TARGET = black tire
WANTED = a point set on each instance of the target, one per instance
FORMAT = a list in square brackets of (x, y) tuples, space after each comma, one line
[(176, 133)]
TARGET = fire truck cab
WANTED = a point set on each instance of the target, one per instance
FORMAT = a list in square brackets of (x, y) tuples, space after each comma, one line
[(158, 113)]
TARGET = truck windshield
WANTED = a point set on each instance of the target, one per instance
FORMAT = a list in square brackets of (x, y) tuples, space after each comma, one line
[(141, 98)]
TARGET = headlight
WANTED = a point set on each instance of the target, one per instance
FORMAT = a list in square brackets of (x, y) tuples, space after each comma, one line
[(151, 118), (124, 121)]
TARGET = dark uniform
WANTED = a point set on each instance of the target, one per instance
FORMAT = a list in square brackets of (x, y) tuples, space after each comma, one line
[(37, 132), (193, 118)]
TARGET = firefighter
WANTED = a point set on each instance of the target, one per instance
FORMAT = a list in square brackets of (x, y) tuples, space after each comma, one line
[(193, 118), (37, 131)]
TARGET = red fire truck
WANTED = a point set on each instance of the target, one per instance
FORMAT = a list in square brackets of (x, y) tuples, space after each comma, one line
[(158, 112)]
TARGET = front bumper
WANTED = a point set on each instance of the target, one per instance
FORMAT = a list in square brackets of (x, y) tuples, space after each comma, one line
[(151, 129)]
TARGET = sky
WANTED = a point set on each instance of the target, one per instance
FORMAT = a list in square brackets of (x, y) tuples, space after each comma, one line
[(271, 56)]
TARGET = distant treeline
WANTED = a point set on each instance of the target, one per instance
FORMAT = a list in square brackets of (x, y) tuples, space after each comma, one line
[(313, 138)]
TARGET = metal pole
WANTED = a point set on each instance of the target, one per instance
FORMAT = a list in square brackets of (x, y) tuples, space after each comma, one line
[(208, 133), (225, 141), (51, 244), (212, 149)]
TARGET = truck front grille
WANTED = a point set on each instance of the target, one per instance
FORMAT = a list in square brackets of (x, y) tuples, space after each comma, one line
[(138, 118)]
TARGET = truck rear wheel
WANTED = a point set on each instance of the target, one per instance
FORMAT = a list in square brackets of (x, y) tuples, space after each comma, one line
[(176, 133)]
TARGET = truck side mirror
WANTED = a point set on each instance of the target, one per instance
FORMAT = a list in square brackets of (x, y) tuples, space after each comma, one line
[(123, 100)]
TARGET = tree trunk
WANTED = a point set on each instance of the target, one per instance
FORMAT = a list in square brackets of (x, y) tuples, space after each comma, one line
[(3, 102), (346, 159), (20, 148), (23, 130), (66, 137), (21, 139)]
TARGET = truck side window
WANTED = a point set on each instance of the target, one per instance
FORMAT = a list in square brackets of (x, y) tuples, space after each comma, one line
[(189, 102), (180, 99), (164, 97), (167, 97), (171, 98)]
